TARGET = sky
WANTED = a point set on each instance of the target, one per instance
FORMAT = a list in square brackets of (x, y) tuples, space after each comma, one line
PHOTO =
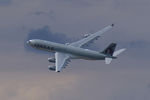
[(24, 73)]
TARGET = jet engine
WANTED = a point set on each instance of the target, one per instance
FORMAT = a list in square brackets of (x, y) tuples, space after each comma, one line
[(67, 43), (53, 68), (86, 35), (53, 60)]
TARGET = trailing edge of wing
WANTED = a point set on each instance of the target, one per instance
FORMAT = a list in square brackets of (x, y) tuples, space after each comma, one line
[(91, 38)]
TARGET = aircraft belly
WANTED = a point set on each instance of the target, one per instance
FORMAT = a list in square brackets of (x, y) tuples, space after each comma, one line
[(78, 53), (82, 53), (90, 57)]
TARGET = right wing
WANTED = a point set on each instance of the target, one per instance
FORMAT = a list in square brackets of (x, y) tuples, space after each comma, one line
[(91, 38), (62, 60)]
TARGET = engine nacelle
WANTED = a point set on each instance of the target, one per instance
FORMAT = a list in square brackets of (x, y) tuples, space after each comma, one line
[(67, 43), (86, 35), (53, 60), (53, 68)]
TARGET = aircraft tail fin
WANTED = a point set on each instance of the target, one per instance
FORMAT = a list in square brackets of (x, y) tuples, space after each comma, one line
[(115, 54), (110, 49), (111, 53)]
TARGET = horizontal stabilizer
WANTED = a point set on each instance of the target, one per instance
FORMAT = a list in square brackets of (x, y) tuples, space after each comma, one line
[(116, 53), (108, 60)]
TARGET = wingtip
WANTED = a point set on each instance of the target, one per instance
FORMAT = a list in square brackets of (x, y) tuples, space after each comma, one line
[(112, 25), (124, 49)]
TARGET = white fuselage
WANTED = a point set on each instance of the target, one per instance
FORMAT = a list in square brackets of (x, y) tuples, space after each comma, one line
[(74, 52), (65, 52)]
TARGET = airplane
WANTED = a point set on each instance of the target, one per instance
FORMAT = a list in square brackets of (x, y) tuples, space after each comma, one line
[(65, 52)]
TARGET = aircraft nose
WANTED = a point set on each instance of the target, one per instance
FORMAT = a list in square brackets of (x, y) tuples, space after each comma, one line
[(29, 41)]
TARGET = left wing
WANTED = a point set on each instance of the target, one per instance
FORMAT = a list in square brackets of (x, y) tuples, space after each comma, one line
[(91, 38), (61, 60)]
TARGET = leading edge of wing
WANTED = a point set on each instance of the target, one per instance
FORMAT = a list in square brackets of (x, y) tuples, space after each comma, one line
[(92, 37)]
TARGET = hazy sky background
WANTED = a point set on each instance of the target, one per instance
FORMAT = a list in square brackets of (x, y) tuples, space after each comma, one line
[(24, 73)]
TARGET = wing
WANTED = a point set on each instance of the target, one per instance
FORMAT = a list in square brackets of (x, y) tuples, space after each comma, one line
[(91, 38), (61, 60)]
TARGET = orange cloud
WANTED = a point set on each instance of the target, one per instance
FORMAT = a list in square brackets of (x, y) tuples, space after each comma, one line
[(28, 86)]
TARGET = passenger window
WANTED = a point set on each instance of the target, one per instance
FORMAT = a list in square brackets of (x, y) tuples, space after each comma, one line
[(44, 46), (41, 46), (37, 45), (52, 48), (48, 48)]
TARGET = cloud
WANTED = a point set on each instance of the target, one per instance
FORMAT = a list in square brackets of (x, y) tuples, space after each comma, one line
[(34, 86), (45, 33), (5, 2), (59, 21), (80, 3), (49, 14)]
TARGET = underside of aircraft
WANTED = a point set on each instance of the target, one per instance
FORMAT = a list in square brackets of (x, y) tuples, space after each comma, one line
[(65, 52)]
